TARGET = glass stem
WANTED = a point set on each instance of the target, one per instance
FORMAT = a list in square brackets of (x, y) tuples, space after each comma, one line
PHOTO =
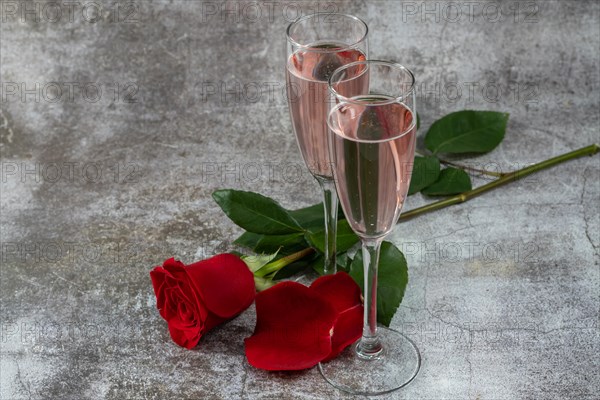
[(369, 346), (330, 203)]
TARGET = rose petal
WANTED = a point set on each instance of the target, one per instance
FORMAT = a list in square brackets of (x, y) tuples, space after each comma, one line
[(184, 335), (339, 290), (158, 279), (293, 328), (172, 262), (172, 298), (224, 283), (344, 295), (176, 269), (213, 320), (185, 319), (165, 277), (347, 330)]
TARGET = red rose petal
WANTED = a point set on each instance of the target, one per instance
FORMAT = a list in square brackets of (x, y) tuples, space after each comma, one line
[(293, 328), (213, 320), (158, 279), (184, 335), (185, 317), (339, 289), (172, 262), (175, 268), (347, 330), (225, 284), (344, 295), (172, 296), (165, 278)]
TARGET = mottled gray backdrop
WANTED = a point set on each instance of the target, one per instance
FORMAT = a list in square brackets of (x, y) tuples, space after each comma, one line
[(118, 120)]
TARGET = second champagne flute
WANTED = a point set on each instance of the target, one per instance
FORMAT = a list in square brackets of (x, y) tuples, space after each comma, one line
[(317, 45), (373, 140)]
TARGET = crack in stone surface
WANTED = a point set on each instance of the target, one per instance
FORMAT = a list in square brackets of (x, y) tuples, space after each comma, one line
[(20, 379), (584, 214), (245, 376)]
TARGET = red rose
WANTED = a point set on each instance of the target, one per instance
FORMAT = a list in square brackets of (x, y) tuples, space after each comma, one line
[(299, 326), (195, 298)]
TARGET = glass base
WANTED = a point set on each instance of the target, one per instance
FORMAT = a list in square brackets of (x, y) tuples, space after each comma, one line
[(394, 367)]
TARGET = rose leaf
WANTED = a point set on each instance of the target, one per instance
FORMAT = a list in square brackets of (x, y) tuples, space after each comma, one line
[(392, 280), (467, 131), (426, 170), (451, 181), (255, 212)]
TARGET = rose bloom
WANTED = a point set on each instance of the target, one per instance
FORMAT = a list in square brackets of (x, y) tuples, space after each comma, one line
[(195, 298)]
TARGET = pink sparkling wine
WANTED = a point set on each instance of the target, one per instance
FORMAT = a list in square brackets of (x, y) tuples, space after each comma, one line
[(307, 73), (373, 147)]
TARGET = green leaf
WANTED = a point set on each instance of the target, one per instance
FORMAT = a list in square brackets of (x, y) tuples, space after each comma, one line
[(418, 121), (318, 263), (255, 263), (467, 132), (248, 240), (426, 170), (451, 181), (392, 279), (343, 262), (310, 218), (292, 269), (346, 238), (256, 213), (285, 244)]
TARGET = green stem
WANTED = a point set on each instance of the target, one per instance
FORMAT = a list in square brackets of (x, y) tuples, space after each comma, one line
[(468, 168), (507, 178), (282, 262)]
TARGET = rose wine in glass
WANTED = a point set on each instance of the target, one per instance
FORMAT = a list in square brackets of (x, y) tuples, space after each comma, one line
[(372, 178), (372, 146), (307, 75), (317, 45)]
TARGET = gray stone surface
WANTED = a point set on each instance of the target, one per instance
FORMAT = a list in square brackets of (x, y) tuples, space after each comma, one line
[(503, 297)]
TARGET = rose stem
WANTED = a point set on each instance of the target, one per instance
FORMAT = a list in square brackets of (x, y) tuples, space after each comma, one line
[(282, 262), (468, 168), (482, 171), (507, 178)]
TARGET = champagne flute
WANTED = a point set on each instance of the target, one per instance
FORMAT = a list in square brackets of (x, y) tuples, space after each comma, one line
[(372, 145), (317, 44)]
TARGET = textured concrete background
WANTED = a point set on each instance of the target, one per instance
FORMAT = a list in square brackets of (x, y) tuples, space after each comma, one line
[(97, 188)]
